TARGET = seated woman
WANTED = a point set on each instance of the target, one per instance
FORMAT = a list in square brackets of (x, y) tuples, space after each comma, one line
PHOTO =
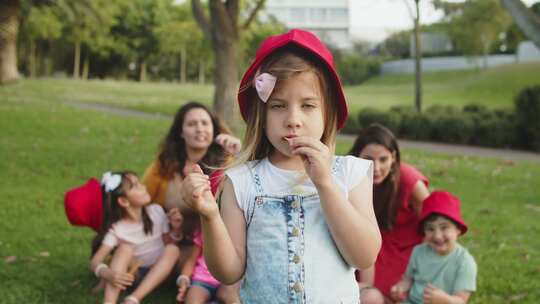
[(399, 190)]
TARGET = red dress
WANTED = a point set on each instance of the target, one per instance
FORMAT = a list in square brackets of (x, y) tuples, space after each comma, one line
[(397, 244)]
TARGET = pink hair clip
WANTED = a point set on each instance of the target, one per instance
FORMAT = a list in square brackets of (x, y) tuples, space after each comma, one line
[(264, 85)]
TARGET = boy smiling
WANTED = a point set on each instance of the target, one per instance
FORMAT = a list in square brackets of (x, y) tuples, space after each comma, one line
[(440, 270)]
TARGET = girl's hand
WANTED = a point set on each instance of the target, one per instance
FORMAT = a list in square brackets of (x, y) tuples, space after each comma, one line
[(434, 295), (231, 144), (118, 279), (182, 290), (197, 194), (175, 219), (398, 293), (316, 156)]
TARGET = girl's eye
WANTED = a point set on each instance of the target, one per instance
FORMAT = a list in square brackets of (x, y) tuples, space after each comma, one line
[(276, 106), (308, 105)]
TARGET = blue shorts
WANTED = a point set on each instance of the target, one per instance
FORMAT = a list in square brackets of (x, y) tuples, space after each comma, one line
[(139, 276), (212, 289)]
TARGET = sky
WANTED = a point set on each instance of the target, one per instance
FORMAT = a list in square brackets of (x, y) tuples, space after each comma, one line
[(373, 20)]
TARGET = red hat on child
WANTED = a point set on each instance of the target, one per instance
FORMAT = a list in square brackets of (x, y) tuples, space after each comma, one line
[(443, 203), (83, 205), (299, 38)]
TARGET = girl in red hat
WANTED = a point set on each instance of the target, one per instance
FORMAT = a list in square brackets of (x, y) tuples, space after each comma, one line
[(398, 193), (137, 231), (440, 270), (288, 205)]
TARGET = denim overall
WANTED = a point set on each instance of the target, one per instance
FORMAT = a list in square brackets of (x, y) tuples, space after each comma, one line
[(291, 256)]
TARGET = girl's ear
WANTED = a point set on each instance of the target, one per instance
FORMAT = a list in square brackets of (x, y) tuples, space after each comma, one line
[(123, 202)]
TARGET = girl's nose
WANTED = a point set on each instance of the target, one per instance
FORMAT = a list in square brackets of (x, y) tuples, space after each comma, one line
[(293, 118)]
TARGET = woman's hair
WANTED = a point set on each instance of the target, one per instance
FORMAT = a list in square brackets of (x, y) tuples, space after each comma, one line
[(113, 212), (173, 151), (284, 64), (385, 195)]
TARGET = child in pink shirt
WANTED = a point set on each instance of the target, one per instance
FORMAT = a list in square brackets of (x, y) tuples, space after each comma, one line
[(202, 287)]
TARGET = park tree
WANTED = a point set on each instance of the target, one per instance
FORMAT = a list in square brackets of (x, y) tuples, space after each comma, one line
[(527, 20), (484, 21), (41, 23), (182, 38), (223, 29), (9, 29), (135, 31)]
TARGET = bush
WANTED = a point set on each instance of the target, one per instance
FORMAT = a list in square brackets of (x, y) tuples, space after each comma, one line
[(415, 125), (351, 126), (355, 69), (528, 117), (391, 120), (453, 127), (496, 130)]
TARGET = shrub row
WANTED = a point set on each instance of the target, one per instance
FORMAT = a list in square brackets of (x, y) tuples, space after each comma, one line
[(472, 124)]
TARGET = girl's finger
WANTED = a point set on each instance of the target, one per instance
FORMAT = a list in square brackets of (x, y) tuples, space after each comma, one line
[(301, 141)]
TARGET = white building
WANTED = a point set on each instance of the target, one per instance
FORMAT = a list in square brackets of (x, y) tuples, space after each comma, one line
[(328, 19)]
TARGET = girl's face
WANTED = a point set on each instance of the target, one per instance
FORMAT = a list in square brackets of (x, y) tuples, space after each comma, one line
[(197, 129), (295, 108), (441, 235), (382, 158), (137, 195)]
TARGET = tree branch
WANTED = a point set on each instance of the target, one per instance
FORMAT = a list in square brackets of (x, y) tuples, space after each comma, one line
[(202, 20), (222, 19), (527, 21), (253, 14)]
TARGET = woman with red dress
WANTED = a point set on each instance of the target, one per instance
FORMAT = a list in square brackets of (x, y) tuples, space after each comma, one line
[(399, 190)]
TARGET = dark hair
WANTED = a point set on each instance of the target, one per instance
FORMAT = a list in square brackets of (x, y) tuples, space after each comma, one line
[(172, 152), (113, 212), (385, 195)]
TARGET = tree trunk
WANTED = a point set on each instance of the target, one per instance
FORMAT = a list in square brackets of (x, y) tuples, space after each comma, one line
[(201, 72), (417, 61), (32, 59), (9, 27), (142, 75), (526, 20), (183, 64), (226, 82), (86, 67), (77, 59)]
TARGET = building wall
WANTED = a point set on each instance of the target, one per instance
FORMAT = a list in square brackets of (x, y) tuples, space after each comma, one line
[(329, 19)]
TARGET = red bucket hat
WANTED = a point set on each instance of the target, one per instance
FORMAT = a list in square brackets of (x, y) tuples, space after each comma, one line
[(443, 203), (83, 205), (306, 41)]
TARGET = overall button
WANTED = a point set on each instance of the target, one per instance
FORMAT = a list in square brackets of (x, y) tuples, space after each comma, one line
[(298, 287), (295, 231), (296, 259), (295, 204)]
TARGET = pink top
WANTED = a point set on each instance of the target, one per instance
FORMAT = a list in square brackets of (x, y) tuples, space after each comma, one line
[(201, 273), (397, 244)]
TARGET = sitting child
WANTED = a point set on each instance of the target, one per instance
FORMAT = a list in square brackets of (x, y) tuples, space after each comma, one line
[(202, 287), (137, 231), (440, 270)]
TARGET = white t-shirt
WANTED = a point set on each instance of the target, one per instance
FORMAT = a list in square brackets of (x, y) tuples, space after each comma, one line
[(349, 172), (148, 247)]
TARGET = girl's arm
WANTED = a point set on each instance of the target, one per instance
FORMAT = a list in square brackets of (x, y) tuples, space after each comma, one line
[(187, 270), (419, 194), (366, 277), (399, 291), (225, 235), (352, 222), (100, 269), (225, 238)]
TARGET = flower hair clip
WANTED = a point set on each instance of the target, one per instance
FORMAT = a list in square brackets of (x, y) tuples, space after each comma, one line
[(110, 181), (264, 85)]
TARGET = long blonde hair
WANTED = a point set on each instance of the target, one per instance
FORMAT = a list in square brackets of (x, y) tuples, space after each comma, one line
[(284, 64)]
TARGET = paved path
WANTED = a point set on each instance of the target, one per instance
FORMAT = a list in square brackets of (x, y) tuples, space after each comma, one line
[(513, 155)]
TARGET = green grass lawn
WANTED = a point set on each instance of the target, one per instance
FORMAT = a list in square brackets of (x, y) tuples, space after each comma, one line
[(47, 147)]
